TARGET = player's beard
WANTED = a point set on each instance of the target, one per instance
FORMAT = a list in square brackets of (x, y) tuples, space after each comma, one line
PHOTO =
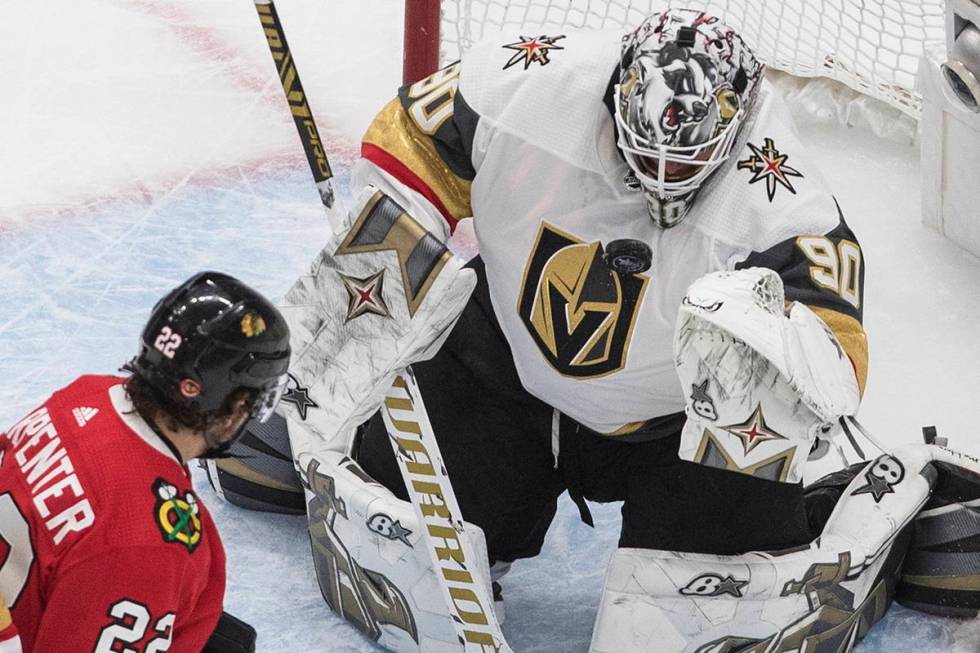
[(217, 448)]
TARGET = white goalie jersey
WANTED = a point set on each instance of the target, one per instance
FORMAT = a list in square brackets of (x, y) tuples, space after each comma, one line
[(520, 136)]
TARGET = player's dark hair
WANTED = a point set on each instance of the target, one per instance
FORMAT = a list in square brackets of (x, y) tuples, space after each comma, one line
[(150, 403)]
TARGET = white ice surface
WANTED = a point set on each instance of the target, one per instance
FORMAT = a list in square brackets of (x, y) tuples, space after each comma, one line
[(144, 141)]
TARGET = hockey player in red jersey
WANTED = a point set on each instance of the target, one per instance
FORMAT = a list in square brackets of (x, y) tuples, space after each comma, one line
[(666, 310), (105, 546)]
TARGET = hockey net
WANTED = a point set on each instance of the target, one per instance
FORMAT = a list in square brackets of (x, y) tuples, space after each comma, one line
[(871, 46)]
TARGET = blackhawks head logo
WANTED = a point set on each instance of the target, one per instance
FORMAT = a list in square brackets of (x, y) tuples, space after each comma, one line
[(252, 325), (177, 516)]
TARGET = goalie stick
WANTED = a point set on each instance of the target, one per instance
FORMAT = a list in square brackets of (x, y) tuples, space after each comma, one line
[(468, 602), (316, 156), (431, 492)]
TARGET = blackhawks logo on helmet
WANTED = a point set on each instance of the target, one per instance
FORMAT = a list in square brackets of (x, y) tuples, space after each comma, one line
[(252, 325), (177, 516)]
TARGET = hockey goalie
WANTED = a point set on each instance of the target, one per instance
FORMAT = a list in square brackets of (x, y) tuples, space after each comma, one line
[(666, 310)]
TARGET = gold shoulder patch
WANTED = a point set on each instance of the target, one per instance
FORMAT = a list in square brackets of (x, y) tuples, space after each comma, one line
[(399, 137)]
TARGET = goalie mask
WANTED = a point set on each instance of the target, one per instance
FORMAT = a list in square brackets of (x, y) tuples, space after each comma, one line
[(687, 83)]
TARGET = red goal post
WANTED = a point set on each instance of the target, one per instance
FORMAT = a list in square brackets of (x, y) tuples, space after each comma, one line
[(872, 46), (422, 30)]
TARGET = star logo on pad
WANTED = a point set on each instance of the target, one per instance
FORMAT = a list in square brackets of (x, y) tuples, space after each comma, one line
[(299, 396), (732, 587), (754, 430), (532, 49), (364, 295), (770, 164)]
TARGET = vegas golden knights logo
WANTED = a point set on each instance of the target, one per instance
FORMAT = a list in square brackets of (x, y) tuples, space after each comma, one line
[(384, 225), (580, 313)]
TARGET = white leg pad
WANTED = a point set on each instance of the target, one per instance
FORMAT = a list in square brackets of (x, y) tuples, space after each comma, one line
[(826, 594), (371, 564)]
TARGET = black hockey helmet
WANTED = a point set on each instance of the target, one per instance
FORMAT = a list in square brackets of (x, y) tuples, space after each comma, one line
[(210, 336)]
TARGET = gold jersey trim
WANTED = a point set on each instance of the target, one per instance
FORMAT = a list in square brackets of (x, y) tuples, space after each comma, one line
[(627, 429), (393, 132), (238, 469), (852, 338)]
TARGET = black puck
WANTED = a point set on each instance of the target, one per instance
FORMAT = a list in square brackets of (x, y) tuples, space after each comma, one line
[(628, 256)]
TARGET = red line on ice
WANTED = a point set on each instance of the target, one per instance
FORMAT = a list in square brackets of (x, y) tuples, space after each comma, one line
[(204, 42), (152, 190)]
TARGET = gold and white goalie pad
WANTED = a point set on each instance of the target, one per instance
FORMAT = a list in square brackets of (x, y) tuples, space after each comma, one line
[(820, 597), (372, 563), (762, 380), (382, 294)]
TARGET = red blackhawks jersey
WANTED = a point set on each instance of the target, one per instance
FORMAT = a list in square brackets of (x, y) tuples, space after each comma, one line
[(104, 546)]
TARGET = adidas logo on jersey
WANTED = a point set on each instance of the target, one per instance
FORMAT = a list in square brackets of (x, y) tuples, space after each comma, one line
[(84, 414)]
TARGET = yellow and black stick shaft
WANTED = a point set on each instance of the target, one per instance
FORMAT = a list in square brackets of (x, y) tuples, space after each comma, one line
[(316, 155)]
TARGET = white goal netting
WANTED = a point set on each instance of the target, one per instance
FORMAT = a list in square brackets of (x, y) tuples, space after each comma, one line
[(872, 46)]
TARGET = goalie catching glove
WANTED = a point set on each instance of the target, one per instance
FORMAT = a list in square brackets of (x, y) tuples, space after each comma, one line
[(762, 382)]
